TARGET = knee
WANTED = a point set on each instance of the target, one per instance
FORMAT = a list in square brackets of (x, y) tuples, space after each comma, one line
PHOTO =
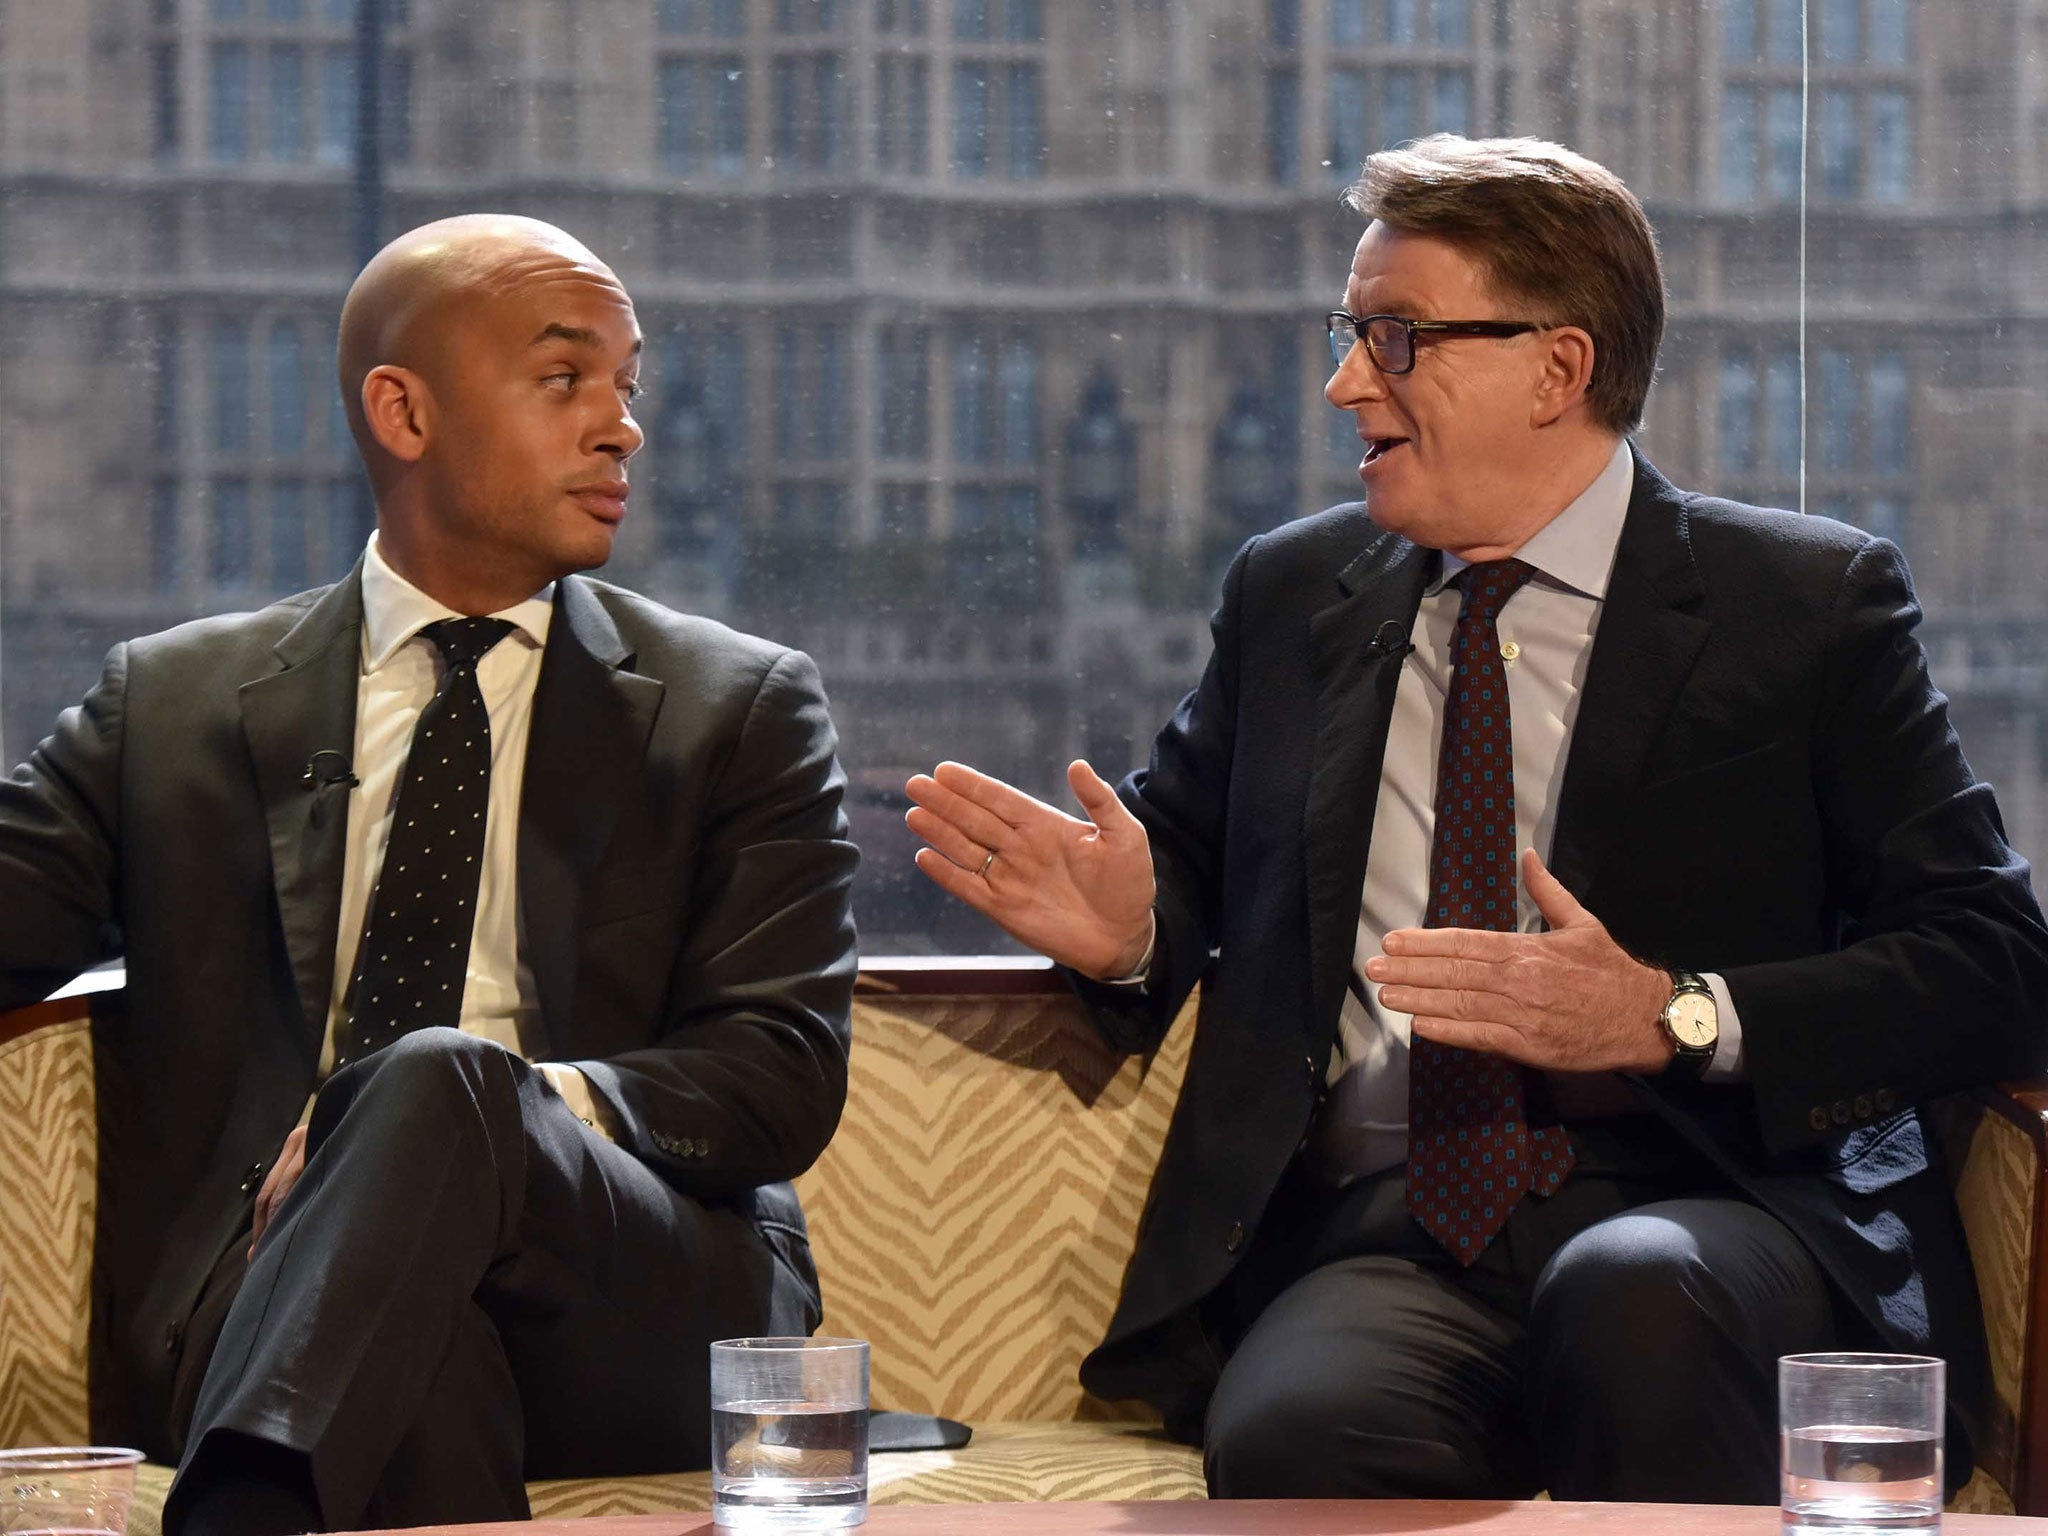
[(1622, 1302), (1286, 1437), (434, 1073)]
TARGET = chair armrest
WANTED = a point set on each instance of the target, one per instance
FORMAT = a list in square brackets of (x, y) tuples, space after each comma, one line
[(2024, 1105), (58, 1010)]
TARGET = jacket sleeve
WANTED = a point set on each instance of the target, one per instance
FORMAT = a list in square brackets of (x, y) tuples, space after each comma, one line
[(1181, 799), (746, 1086), (58, 863), (1942, 978)]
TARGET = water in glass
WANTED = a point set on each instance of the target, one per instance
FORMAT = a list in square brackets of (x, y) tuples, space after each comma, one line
[(779, 1466), (1851, 1479)]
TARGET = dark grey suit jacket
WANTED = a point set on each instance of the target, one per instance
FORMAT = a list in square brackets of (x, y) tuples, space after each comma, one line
[(684, 876), (1761, 781)]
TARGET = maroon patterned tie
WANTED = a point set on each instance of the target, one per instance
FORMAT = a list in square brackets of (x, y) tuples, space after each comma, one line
[(1471, 1152)]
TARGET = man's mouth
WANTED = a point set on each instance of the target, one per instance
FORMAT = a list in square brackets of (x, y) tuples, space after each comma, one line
[(606, 498), (1377, 448)]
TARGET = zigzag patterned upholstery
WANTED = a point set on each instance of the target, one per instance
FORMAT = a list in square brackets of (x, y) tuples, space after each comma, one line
[(971, 1219)]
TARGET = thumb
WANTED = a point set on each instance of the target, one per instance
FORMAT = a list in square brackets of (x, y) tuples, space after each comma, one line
[(1098, 798), (1559, 907)]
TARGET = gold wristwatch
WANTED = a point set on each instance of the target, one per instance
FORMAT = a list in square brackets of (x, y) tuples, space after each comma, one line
[(1691, 1022)]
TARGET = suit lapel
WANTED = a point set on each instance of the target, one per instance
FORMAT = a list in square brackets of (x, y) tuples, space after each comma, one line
[(1652, 629), (591, 721), (308, 707), (1355, 675)]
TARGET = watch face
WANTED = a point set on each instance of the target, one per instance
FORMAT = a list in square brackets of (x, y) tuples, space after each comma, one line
[(1693, 1019)]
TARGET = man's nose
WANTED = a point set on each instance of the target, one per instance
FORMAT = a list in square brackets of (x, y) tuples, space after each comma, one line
[(1355, 380), (621, 437)]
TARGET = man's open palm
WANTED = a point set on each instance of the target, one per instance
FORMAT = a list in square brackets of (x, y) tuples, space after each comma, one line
[(1079, 891)]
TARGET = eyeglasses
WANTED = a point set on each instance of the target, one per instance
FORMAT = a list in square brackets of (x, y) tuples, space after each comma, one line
[(1390, 339)]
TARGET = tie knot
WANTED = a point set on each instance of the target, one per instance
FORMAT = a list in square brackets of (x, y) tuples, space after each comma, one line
[(466, 641), (1490, 583)]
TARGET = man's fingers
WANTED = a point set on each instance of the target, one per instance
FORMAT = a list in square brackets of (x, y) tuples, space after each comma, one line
[(992, 795), (955, 881), (1099, 799), (1459, 943), (1462, 1003), (948, 839), (1445, 974), (1559, 907), (974, 821)]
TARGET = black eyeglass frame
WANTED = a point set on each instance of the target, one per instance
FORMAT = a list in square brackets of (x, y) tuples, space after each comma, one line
[(1359, 328)]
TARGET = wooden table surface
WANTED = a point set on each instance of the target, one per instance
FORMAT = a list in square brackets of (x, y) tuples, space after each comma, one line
[(1279, 1517)]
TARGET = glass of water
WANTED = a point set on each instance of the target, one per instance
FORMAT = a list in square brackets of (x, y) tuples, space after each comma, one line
[(66, 1490), (1861, 1440), (789, 1434)]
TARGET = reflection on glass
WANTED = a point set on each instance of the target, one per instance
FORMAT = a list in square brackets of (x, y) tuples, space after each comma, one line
[(1782, 425)]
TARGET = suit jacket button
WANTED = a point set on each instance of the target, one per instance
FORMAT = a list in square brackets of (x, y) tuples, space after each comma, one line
[(1862, 1106), (1235, 1240), (1883, 1099), (1817, 1118), (1840, 1112), (253, 1179), (703, 1147)]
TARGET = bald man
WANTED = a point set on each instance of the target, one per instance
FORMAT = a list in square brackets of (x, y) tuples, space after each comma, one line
[(488, 949)]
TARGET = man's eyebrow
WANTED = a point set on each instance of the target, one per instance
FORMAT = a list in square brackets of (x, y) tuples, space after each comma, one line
[(580, 335)]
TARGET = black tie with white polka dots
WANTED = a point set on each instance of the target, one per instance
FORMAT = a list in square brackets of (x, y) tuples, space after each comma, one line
[(416, 947)]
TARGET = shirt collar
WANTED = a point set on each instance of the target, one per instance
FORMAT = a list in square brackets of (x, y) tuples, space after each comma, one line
[(394, 610), (1575, 549)]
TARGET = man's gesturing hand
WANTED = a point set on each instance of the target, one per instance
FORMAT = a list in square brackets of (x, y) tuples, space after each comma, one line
[(1077, 891), (1570, 1000), (284, 1173)]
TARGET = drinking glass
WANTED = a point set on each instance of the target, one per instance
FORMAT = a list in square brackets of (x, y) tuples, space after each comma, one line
[(67, 1490), (1861, 1440), (789, 1434)]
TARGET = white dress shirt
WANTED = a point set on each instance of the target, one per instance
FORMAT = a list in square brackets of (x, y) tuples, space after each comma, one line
[(400, 671), (1546, 632)]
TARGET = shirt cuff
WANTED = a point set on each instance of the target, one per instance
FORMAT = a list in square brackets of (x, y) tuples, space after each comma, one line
[(576, 1092), (1726, 1067), (1137, 977)]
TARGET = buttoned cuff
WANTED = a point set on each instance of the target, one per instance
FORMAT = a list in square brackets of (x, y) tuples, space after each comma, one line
[(1137, 977), (576, 1092), (1726, 1067)]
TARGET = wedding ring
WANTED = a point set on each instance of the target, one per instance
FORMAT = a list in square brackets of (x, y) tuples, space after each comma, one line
[(985, 863)]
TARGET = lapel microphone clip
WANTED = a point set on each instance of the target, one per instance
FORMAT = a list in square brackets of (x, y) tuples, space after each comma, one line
[(324, 770), (1392, 640)]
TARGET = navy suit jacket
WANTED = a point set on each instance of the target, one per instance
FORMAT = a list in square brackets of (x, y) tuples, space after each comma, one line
[(1761, 781)]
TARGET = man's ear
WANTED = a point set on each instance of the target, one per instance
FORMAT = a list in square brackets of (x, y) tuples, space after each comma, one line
[(1566, 374), (398, 408)]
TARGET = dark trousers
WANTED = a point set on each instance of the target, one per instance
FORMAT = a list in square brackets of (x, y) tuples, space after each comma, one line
[(467, 1288), (1618, 1340)]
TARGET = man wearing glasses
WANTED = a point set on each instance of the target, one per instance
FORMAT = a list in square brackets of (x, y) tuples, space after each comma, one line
[(1587, 891)]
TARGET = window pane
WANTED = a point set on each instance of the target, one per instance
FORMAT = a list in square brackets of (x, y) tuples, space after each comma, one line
[(1891, 147), (1781, 415), (1738, 144), (337, 106), (1738, 424), (1787, 25), (1026, 21), (287, 102), (970, 18), (1838, 409), (289, 565), (1020, 402), (970, 120), (1452, 112), (1838, 31), (232, 564), (1838, 144), (1349, 144), (229, 115), (1401, 22), (1738, 31), (1890, 419), (974, 427), (1453, 22), (1783, 183), (287, 373), (1397, 106), (1283, 126), (1347, 22), (231, 392), (678, 130), (1026, 128), (1283, 23), (1890, 25)]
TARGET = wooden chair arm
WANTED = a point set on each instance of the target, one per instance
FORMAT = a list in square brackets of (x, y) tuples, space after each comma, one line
[(58, 1010)]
